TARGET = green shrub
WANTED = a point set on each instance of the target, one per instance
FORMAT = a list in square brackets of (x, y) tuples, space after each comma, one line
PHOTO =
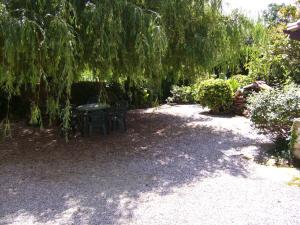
[(238, 81), (273, 111), (141, 97), (181, 95), (215, 94)]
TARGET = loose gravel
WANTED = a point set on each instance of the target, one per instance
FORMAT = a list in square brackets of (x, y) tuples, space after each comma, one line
[(174, 165)]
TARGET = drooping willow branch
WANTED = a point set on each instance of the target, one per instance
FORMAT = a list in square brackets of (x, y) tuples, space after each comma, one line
[(45, 45)]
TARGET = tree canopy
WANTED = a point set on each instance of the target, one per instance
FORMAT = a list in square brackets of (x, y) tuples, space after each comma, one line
[(46, 44)]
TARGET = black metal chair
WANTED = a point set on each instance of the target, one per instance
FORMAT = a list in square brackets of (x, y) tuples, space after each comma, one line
[(97, 120), (118, 115), (83, 121)]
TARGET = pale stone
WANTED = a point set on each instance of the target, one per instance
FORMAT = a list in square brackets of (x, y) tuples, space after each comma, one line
[(248, 156), (271, 162), (296, 147), (297, 153)]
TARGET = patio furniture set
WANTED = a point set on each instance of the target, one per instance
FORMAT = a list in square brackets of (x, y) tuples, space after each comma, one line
[(99, 116)]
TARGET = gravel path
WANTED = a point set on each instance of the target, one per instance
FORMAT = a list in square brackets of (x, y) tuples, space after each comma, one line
[(175, 165)]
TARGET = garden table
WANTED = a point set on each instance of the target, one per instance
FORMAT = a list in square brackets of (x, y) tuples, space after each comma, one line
[(85, 111)]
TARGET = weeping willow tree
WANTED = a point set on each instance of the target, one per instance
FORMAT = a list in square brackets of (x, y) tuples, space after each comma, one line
[(39, 49), (205, 39), (46, 44)]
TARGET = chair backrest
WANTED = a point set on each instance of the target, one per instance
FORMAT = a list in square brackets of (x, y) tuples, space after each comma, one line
[(122, 105), (97, 118), (119, 109)]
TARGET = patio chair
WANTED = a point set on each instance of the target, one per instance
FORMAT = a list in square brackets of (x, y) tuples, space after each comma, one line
[(83, 122), (118, 115), (97, 119)]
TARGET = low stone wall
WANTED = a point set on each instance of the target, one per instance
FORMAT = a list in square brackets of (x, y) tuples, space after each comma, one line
[(296, 138)]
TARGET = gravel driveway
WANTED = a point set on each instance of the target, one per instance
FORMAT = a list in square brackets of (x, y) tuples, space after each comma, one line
[(175, 165)]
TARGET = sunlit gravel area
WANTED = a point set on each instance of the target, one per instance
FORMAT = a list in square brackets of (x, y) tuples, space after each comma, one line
[(175, 165)]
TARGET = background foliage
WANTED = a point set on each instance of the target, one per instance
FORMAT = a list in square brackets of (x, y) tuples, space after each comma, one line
[(239, 81), (182, 95), (274, 57), (276, 60)]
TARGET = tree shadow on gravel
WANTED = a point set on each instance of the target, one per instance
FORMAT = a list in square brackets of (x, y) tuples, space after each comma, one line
[(99, 180)]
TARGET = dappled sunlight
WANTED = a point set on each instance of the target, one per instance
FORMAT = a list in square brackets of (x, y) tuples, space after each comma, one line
[(111, 178), (20, 217), (295, 182)]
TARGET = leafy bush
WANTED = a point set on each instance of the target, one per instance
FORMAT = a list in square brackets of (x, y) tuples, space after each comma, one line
[(141, 97), (238, 81), (183, 94), (277, 60), (273, 111), (215, 94)]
